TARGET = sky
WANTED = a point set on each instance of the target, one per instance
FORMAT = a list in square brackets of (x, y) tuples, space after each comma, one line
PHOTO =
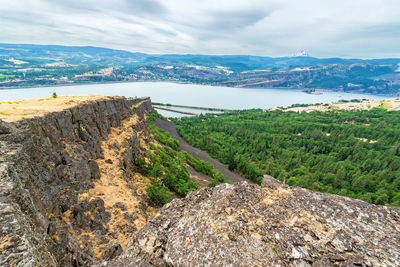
[(323, 28)]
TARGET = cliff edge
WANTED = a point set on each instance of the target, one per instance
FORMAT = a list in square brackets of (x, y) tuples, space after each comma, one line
[(66, 195), (269, 225), (68, 198)]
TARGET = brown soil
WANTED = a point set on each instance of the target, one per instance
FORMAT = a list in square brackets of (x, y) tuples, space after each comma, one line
[(114, 188)]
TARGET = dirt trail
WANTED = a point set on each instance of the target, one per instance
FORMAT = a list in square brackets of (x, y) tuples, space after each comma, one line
[(197, 153)]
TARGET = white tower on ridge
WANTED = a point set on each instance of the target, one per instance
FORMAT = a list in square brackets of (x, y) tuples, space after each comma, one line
[(302, 53)]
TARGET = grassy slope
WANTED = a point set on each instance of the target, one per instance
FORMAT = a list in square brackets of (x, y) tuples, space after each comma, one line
[(166, 166)]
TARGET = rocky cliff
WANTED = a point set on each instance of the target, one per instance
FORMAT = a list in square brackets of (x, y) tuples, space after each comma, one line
[(66, 198), (269, 225)]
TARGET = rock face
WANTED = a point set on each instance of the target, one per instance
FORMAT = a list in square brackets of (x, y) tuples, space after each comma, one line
[(65, 194), (268, 225), (67, 199)]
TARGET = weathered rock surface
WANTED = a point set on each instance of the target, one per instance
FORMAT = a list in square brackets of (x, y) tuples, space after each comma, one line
[(65, 194), (268, 225), (66, 199)]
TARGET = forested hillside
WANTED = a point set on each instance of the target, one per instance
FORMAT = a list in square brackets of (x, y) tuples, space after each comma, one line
[(350, 153), (166, 166)]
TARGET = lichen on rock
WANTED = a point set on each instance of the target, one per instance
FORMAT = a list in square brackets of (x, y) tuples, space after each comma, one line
[(66, 199), (60, 202), (269, 225)]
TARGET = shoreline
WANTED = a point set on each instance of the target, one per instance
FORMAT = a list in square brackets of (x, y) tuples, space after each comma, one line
[(177, 111), (183, 82), (88, 83), (190, 107)]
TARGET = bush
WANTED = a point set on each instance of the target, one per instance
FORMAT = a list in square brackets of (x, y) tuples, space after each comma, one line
[(168, 166), (143, 166), (351, 153), (163, 136), (158, 194), (218, 178)]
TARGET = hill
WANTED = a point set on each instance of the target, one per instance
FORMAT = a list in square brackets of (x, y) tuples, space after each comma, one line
[(37, 65), (82, 179), (66, 197), (80, 174)]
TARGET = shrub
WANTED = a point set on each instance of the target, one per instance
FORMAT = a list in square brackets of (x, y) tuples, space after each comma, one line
[(158, 194), (143, 166), (218, 178)]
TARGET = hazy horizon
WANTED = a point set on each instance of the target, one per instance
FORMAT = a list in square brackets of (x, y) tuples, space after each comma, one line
[(357, 29), (191, 54)]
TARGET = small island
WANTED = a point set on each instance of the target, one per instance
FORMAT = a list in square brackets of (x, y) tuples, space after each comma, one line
[(312, 92)]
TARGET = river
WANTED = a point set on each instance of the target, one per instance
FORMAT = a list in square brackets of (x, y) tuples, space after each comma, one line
[(189, 95)]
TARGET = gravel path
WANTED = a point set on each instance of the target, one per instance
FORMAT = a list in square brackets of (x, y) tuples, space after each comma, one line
[(197, 153)]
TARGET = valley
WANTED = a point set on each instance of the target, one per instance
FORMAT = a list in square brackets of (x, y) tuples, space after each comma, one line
[(197, 153), (105, 181), (199, 133), (329, 148), (190, 95), (24, 65)]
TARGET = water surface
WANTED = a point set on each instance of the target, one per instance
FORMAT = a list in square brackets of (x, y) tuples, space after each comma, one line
[(190, 94)]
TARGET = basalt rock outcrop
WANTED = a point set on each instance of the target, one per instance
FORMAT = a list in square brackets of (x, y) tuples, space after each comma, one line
[(66, 198), (269, 225)]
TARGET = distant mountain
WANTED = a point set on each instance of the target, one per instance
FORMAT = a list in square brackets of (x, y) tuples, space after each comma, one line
[(32, 65), (69, 54)]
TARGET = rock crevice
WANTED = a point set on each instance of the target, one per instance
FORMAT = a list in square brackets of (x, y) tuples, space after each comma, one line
[(56, 183), (269, 225)]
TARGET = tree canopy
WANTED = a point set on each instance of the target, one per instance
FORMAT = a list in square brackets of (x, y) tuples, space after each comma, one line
[(350, 153)]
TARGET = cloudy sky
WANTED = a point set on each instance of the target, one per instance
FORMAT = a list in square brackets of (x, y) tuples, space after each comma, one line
[(324, 28)]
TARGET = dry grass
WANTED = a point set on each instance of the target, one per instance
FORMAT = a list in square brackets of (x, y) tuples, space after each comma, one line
[(17, 110), (389, 104), (115, 187)]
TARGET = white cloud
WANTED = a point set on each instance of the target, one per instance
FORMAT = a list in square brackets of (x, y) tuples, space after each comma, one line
[(357, 28)]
